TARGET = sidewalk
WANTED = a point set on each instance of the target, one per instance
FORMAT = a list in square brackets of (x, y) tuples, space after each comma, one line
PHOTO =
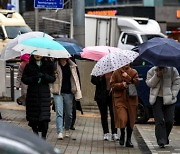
[(87, 138)]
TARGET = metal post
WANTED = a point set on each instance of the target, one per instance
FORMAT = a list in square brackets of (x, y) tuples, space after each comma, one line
[(36, 19), (79, 20), (12, 82), (2, 78)]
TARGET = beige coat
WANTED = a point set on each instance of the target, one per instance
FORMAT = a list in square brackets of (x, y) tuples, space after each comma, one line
[(75, 85), (171, 85), (125, 106)]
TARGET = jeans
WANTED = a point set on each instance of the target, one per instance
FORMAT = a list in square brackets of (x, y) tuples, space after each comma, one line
[(63, 104)]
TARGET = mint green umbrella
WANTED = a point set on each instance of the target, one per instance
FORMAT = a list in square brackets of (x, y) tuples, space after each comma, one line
[(43, 47)]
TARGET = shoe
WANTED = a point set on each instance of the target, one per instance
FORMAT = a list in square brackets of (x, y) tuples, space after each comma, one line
[(67, 133), (72, 128), (129, 143), (106, 137), (115, 137), (18, 102), (162, 146), (60, 136)]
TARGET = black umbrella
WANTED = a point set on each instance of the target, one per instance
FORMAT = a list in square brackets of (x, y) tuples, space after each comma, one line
[(161, 52)]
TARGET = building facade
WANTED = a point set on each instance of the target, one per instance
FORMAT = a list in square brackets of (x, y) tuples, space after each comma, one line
[(166, 12)]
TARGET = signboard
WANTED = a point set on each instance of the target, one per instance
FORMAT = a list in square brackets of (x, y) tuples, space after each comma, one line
[(51, 4), (178, 14), (103, 12)]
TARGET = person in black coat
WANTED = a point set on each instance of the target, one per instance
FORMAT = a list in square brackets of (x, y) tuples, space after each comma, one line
[(37, 75), (103, 97)]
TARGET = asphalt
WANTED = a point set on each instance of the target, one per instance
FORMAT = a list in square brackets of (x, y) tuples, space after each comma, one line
[(87, 138)]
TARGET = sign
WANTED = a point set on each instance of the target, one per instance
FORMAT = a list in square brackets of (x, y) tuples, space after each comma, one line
[(103, 12), (49, 4), (178, 14)]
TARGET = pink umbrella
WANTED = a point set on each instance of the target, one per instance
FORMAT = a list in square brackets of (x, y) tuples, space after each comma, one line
[(97, 52)]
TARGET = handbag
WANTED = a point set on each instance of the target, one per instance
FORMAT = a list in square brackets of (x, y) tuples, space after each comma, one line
[(132, 91)]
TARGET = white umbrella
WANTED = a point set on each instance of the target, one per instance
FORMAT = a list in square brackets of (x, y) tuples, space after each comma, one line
[(43, 47), (9, 53), (113, 61)]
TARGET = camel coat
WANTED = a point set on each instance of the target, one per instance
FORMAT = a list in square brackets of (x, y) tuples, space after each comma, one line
[(125, 106)]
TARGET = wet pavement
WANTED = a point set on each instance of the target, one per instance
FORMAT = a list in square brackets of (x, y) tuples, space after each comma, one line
[(88, 136)]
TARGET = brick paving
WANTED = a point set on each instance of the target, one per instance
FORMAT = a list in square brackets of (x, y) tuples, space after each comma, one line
[(147, 131), (86, 139)]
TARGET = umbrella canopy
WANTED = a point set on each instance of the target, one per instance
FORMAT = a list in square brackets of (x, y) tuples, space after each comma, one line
[(43, 47), (97, 52), (161, 52), (66, 39), (72, 48), (9, 53), (113, 61), (14, 139)]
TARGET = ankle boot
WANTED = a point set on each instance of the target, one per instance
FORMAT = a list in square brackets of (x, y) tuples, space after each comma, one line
[(121, 141), (128, 141)]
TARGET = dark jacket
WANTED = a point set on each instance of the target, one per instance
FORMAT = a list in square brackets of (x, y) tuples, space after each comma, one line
[(100, 92), (38, 94)]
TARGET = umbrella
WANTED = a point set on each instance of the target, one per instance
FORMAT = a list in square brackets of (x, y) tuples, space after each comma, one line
[(113, 61), (72, 48), (66, 39), (97, 52), (14, 139), (9, 53), (43, 47), (161, 52)]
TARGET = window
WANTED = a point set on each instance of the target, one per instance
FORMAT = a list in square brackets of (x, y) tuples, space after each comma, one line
[(132, 40), (13, 31), (123, 39), (148, 37)]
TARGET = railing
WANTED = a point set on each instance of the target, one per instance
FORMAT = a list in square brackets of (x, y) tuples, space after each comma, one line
[(11, 70)]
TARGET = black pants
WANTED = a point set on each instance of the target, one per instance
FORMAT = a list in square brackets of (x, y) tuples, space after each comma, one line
[(73, 113), (39, 127), (103, 108), (164, 119)]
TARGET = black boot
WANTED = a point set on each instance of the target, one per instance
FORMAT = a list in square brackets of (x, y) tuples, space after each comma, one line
[(121, 141), (128, 141)]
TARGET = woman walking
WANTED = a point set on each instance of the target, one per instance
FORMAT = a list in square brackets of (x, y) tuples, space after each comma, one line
[(125, 106), (64, 89), (164, 83), (103, 97), (19, 83), (37, 74)]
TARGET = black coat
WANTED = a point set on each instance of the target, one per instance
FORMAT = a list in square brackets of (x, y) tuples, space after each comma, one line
[(38, 94), (100, 92)]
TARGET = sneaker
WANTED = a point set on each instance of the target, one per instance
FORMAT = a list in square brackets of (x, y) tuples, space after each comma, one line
[(115, 137), (67, 133), (60, 136), (106, 137)]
